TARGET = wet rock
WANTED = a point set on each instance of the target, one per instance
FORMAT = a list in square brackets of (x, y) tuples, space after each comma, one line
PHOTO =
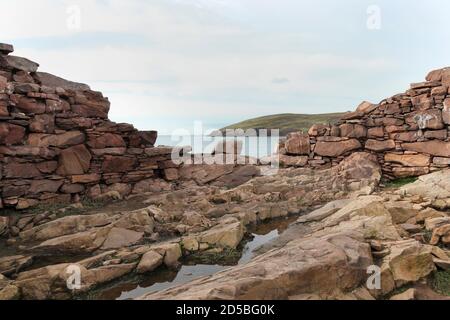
[(297, 268)]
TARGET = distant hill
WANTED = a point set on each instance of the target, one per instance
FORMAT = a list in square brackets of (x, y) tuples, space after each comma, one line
[(288, 122)]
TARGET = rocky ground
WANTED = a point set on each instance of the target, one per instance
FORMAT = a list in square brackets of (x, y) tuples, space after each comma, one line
[(351, 225)]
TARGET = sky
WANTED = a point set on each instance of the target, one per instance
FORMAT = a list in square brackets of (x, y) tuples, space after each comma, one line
[(167, 63)]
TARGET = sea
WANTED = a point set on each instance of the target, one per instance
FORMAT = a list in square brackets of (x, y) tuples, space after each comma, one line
[(255, 147)]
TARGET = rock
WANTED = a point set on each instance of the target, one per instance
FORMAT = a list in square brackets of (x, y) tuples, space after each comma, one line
[(119, 238), (432, 147), (418, 160), (409, 294), (290, 161), (30, 106), (239, 176), (443, 264), (297, 268), (49, 80), (118, 164), (335, 149), (9, 292), (400, 172), (427, 119), (428, 214), (324, 212), (19, 63), (86, 178), (108, 140), (228, 234), (95, 111), (170, 251), (441, 234), (67, 139), (44, 123), (21, 170), (40, 186), (6, 48), (411, 228), (318, 130), (409, 261), (78, 243), (14, 264), (366, 107), (433, 186), (353, 131), (377, 132), (74, 161), (298, 144), (4, 226), (11, 134), (149, 262), (65, 226), (228, 147), (380, 146)]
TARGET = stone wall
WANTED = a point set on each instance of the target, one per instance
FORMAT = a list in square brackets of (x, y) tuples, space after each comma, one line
[(408, 132), (57, 144)]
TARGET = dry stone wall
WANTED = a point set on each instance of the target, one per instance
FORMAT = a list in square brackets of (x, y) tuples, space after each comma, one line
[(408, 132), (57, 144)]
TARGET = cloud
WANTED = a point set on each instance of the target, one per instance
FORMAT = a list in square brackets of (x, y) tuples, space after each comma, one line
[(222, 59)]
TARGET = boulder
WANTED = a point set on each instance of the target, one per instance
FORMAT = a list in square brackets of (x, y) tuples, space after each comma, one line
[(335, 149), (149, 262), (409, 261), (74, 161), (228, 234), (170, 251), (298, 144)]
